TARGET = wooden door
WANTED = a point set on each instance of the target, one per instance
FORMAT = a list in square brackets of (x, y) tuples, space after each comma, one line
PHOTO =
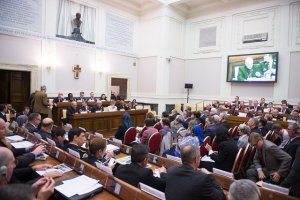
[(15, 88), (122, 83)]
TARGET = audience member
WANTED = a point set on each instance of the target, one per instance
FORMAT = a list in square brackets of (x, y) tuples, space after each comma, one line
[(255, 106), (126, 124), (98, 107), (103, 97), (58, 99), (227, 150), (149, 123), (210, 129), (97, 152), (281, 136), (59, 137), (81, 97), (112, 106), (25, 111), (46, 129), (263, 103), (185, 182), (41, 103), (292, 181), (244, 132), (91, 98), (137, 172), (253, 124), (10, 109), (70, 97), (262, 126), (3, 111), (34, 121), (243, 189), (269, 162), (294, 141), (122, 105), (84, 108), (76, 140)]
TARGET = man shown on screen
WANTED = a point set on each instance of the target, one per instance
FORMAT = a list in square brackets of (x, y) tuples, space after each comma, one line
[(249, 70), (268, 66)]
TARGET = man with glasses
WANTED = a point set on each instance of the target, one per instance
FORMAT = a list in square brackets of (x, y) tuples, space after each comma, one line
[(270, 163), (294, 142), (34, 121)]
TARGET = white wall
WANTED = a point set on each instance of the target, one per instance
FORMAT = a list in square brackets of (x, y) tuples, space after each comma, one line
[(278, 18)]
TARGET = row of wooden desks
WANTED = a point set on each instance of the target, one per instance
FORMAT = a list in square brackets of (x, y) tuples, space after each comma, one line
[(236, 121)]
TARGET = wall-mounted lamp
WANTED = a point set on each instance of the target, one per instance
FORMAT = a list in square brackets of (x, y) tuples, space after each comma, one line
[(134, 63), (168, 59)]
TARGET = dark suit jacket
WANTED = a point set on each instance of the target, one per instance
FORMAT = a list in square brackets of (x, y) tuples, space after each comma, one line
[(272, 158), (56, 100), (40, 103), (293, 179), (292, 147), (95, 108), (76, 148), (3, 116), (122, 107), (210, 131), (134, 173), (121, 132), (186, 183), (31, 128), (45, 135), (226, 155), (286, 111), (257, 108)]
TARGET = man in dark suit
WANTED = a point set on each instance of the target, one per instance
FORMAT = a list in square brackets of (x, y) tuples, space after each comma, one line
[(269, 161), (76, 140), (253, 124), (122, 105), (284, 109), (3, 111), (81, 97), (185, 182), (255, 106), (98, 107), (91, 98), (210, 129), (59, 98), (46, 128), (34, 120), (137, 172), (41, 102), (294, 142), (292, 181), (263, 103)]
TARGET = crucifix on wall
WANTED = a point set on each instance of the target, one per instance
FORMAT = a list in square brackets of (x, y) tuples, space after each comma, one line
[(76, 69)]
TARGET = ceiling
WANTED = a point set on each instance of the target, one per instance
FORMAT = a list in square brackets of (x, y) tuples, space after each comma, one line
[(187, 7)]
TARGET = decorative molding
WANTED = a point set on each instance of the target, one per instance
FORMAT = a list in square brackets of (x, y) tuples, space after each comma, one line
[(239, 21), (295, 24), (33, 69), (198, 26)]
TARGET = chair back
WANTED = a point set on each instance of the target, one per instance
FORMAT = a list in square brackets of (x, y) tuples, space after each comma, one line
[(235, 132), (214, 144), (141, 133), (154, 142), (245, 157), (237, 162), (252, 152), (269, 136), (158, 126), (203, 150), (129, 136)]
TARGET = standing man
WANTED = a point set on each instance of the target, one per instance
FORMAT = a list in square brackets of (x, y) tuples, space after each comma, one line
[(41, 102)]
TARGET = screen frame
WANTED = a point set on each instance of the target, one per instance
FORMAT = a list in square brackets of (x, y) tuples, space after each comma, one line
[(276, 77)]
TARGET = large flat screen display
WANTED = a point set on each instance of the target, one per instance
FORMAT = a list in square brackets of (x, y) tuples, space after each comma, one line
[(259, 67)]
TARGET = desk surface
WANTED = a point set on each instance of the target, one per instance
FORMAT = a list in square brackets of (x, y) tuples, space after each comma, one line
[(105, 195)]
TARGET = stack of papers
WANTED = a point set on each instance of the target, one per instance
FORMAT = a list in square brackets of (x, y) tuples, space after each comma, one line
[(70, 187), (14, 138), (24, 144)]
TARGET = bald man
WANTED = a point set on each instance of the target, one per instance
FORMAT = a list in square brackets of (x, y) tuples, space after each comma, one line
[(46, 128), (44, 186)]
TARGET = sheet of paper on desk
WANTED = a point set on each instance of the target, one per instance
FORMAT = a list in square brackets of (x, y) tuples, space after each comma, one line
[(70, 187), (125, 160), (111, 147), (60, 168), (14, 138), (24, 144), (207, 159)]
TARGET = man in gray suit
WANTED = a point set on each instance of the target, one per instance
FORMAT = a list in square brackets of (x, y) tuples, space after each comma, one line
[(270, 163)]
